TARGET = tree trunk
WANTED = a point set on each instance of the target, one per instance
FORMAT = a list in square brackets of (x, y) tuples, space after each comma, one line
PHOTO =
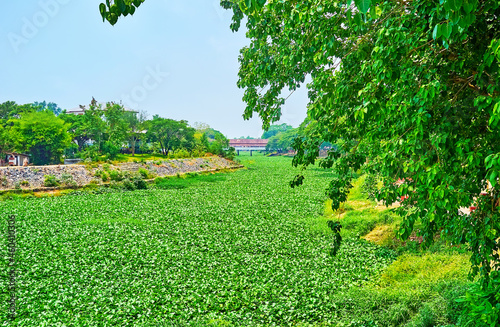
[(133, 145)]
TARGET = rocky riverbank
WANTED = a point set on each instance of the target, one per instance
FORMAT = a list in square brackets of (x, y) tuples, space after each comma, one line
[(33, 177)]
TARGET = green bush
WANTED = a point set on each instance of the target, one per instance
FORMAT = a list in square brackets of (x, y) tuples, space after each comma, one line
[(67, 180), (482, 302), (139, 183), (116, 175), (128, 184), (110, 149), (134, 182), (102, 174), (369, 186), (144, 173), (51, 181)]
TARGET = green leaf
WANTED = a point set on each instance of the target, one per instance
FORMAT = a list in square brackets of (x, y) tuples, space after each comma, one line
[(121, 5), (436, 32), (357, 19), (102, 9), (468, 5), (363, 5), (115, 10), (112, 18), (445, 30), (493, 178), (455, 4), (260, 3)]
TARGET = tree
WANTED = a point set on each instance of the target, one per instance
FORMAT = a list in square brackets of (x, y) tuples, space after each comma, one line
[(51, 106), (135, 124), (275, 129), (42, 134), (10, 109), (6, 109), (282, 141), (171, 134), (94, 124), (4, 146), (77, 128)]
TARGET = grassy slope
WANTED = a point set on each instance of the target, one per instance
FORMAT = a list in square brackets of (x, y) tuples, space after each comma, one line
[(419, 288), (241, 248)]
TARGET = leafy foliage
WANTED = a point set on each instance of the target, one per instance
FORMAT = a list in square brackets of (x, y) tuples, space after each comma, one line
[(42, 134), (483, 303), (51, 181), (276, 129), (335, 226), (170, 134), (112, 10), (51, 106)]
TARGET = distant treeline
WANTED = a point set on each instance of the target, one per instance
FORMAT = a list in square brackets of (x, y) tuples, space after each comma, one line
[(101, 131)]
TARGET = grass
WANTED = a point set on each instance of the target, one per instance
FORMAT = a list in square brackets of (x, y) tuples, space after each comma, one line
[(418, 289)]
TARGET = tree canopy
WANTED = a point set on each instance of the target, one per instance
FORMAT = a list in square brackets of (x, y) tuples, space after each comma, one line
[(170, 133), (42, 134), (275, 129)]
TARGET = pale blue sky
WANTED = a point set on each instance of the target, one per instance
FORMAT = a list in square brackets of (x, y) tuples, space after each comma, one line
[(175, 58)]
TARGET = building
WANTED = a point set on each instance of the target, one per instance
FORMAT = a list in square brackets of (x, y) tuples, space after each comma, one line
[(248, 144), (16, 159)]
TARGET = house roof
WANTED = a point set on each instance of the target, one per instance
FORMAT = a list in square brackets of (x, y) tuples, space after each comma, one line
[(17, 154), (248, 142)]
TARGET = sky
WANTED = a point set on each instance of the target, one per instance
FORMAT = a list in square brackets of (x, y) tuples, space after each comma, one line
[(174, 58)]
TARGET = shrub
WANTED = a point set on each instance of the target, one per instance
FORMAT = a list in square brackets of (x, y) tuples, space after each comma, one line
[(110, 149), (50, 181), (116, 175), (25, 183), (67, 180), (3, 181), (369, 186), (482, 302), (181, 153), (139, 183), (127, 183), (144, 173)]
